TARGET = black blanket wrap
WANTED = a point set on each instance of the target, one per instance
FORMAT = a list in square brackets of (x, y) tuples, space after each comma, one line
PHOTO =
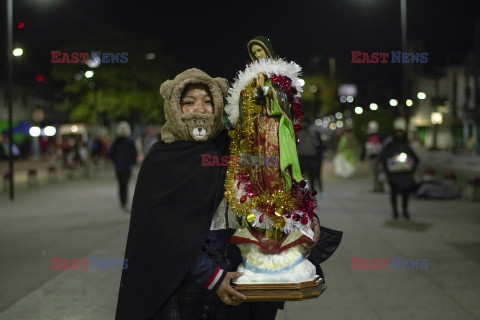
[(175, 198)]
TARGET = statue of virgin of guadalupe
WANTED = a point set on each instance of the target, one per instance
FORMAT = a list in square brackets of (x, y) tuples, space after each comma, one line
[(274, 207)]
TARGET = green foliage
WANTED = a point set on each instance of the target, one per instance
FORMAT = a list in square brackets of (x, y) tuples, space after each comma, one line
[(317, 94), (117, 91)]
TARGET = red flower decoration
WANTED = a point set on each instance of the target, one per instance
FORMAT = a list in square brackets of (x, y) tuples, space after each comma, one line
[(304, 220), (297, 127)]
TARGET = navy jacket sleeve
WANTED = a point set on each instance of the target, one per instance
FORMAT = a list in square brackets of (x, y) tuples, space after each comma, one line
[(210, 266)]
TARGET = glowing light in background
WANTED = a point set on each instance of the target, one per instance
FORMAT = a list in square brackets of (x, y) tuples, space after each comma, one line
[(150, 56), (88, 74), (421, 95), (17, 52), (34, 131), (358, 110), (393, 102), (49, 131)]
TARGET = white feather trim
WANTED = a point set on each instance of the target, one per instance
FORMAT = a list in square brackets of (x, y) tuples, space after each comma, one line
[(268, 67)]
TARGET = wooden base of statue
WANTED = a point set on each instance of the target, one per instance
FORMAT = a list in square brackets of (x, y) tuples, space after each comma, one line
[(281, 291)]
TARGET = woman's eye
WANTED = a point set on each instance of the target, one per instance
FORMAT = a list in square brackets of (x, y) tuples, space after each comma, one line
[(188, 102), (208, 101)]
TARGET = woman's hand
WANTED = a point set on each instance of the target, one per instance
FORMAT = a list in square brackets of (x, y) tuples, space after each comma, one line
[(308, 246), (225, 290)]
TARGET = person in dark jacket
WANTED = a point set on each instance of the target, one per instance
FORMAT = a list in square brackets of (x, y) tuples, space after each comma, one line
[(124, 156), (400, 162), (310, 153), (371, 150), (178, 236)]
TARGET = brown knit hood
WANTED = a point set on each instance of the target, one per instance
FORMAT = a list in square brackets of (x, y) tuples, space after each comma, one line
[(192, 126)]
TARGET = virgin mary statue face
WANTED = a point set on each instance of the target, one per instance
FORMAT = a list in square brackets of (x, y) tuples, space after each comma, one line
[(258, 52)]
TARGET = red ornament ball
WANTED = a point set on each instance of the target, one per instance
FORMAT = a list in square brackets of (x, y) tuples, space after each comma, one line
[(243, 198), (304, 220)]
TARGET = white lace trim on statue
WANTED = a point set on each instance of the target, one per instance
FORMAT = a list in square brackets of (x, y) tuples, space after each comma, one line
[(268, 67)]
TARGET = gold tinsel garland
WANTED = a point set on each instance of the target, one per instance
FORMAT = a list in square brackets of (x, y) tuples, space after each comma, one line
[(243, 142)]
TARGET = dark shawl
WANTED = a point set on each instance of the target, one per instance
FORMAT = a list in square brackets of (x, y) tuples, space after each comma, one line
[(175, 198)]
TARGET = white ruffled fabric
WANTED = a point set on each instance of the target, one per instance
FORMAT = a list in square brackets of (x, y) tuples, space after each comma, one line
[(303, 271), (268, 67)]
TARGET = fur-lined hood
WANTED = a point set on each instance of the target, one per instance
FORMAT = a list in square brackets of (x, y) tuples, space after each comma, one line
[(186, 126)]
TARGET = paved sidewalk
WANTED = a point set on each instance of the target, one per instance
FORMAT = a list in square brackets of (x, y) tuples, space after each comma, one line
[(447, 233)]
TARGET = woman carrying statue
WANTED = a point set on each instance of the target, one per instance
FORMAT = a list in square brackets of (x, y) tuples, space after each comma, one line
[(177, 243)]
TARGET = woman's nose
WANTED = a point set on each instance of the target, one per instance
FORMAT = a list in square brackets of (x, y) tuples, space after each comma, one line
[(201, 108)]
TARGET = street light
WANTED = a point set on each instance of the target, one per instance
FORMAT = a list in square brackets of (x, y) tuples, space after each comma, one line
[(373, 106), (358, 110), (421, 95), (436, 118), (409, 103), (34, 131), (49, 131), (393, 102), (88, 74), (17, 52), (10, 94), (94, 62)]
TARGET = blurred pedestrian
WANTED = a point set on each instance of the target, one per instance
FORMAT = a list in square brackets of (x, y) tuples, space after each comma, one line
[(371, 150), (149, 140), (399, 162), (124, 156), (310, 153), (344, 159)]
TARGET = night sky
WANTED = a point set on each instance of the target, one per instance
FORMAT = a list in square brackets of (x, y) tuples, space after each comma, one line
[(212, 35)]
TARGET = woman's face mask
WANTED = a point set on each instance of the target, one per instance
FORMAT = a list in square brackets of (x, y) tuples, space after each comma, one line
[(197, 111)]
